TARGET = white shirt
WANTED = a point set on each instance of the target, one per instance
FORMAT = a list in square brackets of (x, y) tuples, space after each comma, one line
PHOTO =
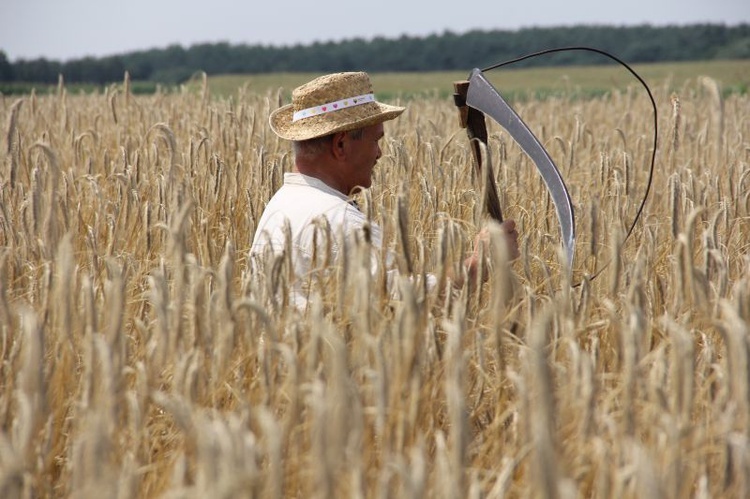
[(301, 204)]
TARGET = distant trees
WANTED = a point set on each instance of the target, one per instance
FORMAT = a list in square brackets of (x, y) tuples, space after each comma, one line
[(447, 51), (6, 68)]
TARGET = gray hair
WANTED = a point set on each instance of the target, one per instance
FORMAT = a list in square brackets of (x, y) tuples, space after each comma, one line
[(311, 148)]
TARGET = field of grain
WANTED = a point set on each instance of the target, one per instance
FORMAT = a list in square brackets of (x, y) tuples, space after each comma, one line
[(141, 356), (512, 81)]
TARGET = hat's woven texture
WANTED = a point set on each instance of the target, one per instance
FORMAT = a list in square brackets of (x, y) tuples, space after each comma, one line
[(324, 90)]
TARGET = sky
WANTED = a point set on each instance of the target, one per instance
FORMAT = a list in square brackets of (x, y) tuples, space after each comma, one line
[(62, 30)]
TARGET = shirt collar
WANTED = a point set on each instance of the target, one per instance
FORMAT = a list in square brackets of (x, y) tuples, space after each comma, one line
[(296, 178)]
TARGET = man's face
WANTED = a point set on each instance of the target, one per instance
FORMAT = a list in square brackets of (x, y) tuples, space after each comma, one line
[(364, 152)]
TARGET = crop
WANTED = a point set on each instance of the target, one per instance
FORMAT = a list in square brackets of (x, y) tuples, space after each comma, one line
[(142, 356)]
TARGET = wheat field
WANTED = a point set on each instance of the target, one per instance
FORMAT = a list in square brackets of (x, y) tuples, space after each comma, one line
[(142, 357)]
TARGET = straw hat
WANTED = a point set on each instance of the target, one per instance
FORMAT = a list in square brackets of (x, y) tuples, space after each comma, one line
[(329, 104)]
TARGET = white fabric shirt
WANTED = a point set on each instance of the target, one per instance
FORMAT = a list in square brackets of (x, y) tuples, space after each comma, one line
[(299, 202)]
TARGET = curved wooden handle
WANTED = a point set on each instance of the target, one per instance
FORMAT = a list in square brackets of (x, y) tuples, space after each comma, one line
[(476, 129)]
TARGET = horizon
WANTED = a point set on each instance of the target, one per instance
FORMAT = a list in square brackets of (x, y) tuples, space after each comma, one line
[(375, 37), (76, 29)]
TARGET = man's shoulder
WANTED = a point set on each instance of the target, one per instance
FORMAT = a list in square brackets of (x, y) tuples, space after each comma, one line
[(306, 199)]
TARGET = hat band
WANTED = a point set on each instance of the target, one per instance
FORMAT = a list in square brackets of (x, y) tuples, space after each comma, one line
[(329, 107)]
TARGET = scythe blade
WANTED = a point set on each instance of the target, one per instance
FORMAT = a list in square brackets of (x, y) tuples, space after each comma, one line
[(483, 97)]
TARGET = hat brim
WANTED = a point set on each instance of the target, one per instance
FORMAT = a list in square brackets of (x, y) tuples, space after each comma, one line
[(326, 124)]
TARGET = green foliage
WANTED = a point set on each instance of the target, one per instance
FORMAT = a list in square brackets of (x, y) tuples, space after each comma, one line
[(22, 88), (171, 76), (6, 68), (738, 49), (445, 52), (13, 88)]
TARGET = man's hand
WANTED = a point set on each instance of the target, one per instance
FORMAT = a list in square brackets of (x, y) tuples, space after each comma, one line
[(482, 245), (508, 229)]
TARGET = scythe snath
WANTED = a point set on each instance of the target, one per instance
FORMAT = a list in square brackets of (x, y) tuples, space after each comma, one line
[(476, 97)]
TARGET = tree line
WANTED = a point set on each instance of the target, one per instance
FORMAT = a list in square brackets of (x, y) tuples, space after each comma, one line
[(446, 51)]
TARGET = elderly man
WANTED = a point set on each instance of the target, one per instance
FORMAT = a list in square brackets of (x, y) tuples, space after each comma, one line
[(336, 125)]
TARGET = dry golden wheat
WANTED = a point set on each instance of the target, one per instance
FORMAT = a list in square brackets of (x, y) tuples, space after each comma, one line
[(143, 357)]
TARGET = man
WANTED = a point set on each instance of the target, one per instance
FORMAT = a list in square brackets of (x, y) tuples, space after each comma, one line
[(336, 125)]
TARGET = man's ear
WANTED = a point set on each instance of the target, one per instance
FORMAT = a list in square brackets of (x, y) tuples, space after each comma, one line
[(338, 145)]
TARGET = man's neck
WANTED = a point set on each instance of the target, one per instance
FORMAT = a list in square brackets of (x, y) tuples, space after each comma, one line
[(324, 175)]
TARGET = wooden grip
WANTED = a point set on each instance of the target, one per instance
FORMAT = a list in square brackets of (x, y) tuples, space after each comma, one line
[(476, 129)]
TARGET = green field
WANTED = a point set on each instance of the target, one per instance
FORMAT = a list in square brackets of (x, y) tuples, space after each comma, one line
[(570, 81), (734, 77)]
